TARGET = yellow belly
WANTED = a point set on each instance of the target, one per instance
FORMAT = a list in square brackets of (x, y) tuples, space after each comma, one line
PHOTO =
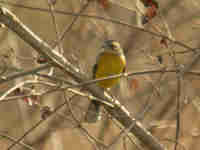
[(109, 64)]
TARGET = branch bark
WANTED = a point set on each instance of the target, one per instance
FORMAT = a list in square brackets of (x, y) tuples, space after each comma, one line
[(118, 112)]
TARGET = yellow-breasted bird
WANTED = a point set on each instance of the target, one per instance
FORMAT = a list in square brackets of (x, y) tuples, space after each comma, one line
[(109, 62)]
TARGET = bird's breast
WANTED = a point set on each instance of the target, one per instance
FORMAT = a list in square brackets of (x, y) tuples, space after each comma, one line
[(109, 64)]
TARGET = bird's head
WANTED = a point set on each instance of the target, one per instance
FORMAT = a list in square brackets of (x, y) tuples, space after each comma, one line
[(113, 46)]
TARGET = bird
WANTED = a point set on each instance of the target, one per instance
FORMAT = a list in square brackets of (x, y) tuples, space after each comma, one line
[(110, 61)]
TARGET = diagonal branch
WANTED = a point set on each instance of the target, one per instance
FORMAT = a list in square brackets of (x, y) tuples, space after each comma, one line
[(10, 138), (118, 112), (111, 20), (5, 79)]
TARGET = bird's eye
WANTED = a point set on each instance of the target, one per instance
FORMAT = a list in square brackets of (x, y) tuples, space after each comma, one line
[(115, 45)]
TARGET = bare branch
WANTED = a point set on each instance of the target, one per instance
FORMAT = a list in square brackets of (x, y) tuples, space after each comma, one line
[(21, 74), (4, 135), (118, 112), (188, 48), (93, 140)]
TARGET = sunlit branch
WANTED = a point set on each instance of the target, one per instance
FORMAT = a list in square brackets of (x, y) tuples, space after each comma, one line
[(119, 112), (108, 20)]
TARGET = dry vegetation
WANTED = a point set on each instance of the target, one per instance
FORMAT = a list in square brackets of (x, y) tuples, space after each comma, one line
[(44, 79)]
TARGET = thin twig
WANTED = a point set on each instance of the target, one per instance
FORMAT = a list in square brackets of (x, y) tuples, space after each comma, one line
[(125, 131), (123, 121), (178, 110), (90, 138), (119, 112), (4, 67), (24, 73), (24, 135), (36, 126), (68, 28), (21, 84), (107, 20), (174, 141), (51, 8), (4, 135), (177, 66), (14, 98), (127, 74), (129, 137)]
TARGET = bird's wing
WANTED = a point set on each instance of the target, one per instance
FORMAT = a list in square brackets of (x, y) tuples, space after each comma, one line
[(95, 67), (94, 70)]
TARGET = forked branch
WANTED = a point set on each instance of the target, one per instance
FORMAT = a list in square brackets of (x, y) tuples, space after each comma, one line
[(118, 112)]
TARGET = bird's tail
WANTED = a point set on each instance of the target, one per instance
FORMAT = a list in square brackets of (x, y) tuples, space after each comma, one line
[(93, 114)]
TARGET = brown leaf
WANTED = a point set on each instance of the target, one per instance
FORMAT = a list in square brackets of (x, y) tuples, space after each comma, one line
[(163, 41), (134, 84), (104, 3)]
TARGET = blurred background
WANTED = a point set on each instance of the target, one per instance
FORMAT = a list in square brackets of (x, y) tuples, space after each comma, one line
[(156, 92)]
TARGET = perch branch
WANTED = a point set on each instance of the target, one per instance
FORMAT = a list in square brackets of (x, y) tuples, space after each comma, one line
[(118, 112)]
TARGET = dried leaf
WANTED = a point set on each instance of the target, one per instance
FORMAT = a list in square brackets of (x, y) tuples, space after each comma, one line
[(29, 101), (46, 112), (104, 3), (41, 60), (149, 3), (134, 84), (151, 12), (163, 41)]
